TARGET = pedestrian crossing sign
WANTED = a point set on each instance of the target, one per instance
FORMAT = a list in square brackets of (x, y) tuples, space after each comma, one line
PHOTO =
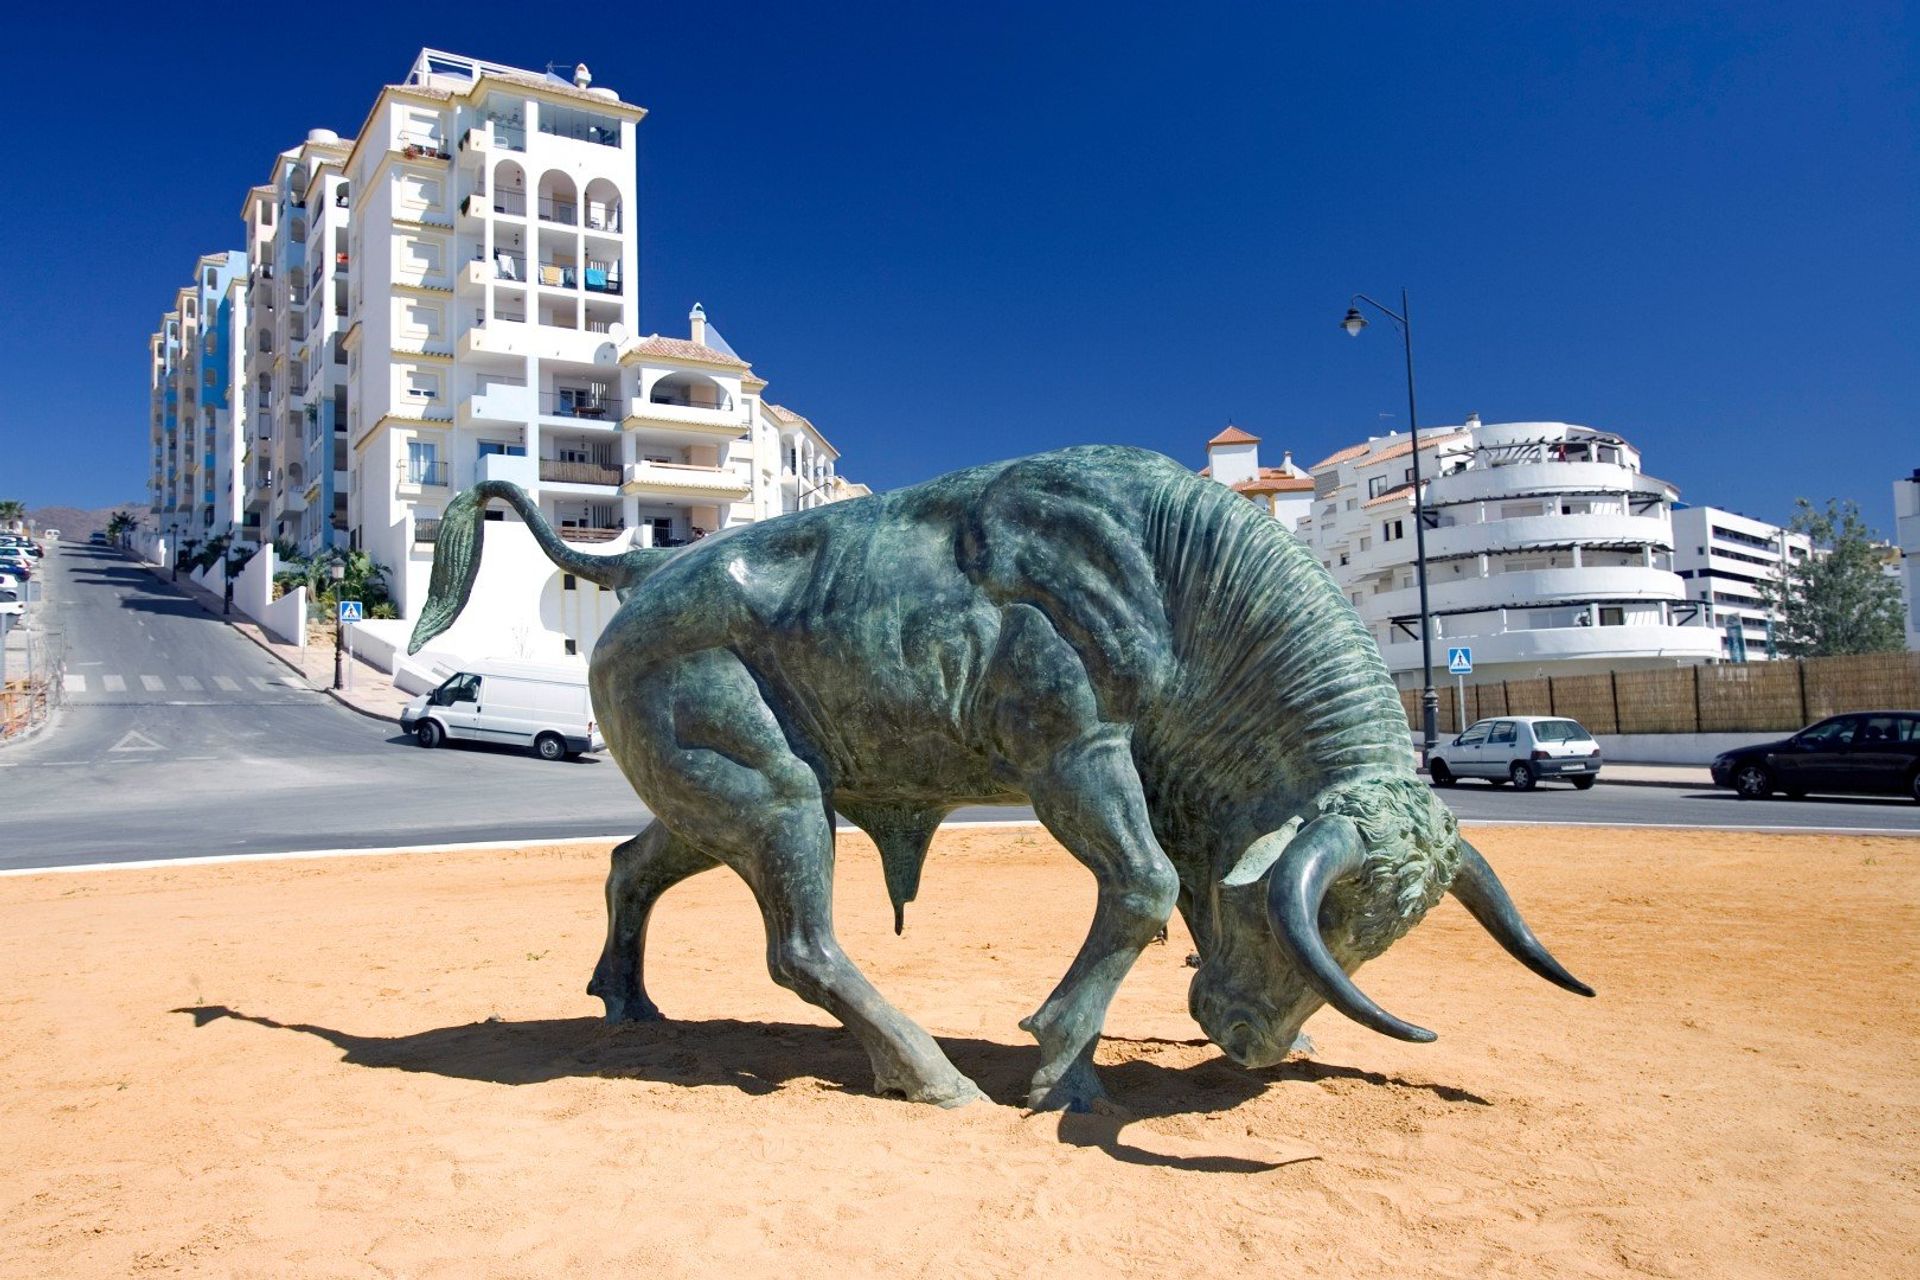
[(1459, 661), (350, 611)]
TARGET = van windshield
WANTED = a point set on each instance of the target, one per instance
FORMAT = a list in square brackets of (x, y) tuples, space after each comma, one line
[(1559, 731)]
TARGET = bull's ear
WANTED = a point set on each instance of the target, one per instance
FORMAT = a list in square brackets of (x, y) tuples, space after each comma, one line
[(1260, 855)]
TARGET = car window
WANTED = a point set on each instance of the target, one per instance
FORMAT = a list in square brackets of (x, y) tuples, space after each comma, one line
[(1502, 732), (1910, 729), (1837, 732), (1878, 731), (462, 688), (1560, 731), (1476, 735)]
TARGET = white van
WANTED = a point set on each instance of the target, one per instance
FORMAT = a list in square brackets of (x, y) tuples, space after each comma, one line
[(521, 703)]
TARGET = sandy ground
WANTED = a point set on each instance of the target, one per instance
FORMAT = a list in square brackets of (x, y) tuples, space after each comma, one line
[(388, 1067)]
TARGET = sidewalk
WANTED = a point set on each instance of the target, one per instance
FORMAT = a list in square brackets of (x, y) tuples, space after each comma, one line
[(1695, 776), (372, 694)]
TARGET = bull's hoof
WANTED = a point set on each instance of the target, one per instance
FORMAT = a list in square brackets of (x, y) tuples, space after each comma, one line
[(631, 1009), (1076, 1090), (954, 1091)]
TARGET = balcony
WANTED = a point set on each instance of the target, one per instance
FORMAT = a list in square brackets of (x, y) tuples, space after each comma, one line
[(426, 532), (564, 213), (1540, 532), (420, 146), (680, 479), (426, 475), (1534, 479), (559, 275), (1527, 588), (497, 404), (684, 423), (583, 404), (513, 468), (1656, 642), (586, 534), (553, 471)]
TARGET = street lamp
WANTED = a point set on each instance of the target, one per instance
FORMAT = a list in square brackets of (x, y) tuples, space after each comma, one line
[(1429, 700), (337, 572)]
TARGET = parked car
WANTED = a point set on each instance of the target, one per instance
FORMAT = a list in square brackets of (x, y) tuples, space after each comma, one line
[(516, 703), (16, 564), (1521, 750), (1860, 753)]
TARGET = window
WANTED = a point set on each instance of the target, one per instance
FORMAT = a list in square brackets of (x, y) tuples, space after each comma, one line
[(1376, 486), (1837, 732), (572, 646), (1612, 615), (423, 462), (490, 447), (1502, 733), (422, 385), (1366, 543), (1393, 531), (568, 582), (1476, 735)]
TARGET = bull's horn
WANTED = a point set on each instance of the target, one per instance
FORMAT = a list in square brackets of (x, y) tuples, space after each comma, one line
[(1481, 892), (1326, 851)]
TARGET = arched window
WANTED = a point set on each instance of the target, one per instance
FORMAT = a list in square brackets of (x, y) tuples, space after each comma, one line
[(557, 199)]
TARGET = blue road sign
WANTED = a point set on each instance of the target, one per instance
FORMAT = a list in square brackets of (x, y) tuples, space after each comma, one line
[(1459, 661), (350, 611)]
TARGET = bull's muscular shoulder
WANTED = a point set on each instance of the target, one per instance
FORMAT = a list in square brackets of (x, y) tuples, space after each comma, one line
[(1065, 533)]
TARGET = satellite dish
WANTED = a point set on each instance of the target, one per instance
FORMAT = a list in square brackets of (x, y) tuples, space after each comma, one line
[(606, 353), (618, 333)]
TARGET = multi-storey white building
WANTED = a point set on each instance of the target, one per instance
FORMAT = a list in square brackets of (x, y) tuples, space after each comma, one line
[(1727, 561), (1548, 549), (1284, 492), (194, 494), (452, 297), (1906, 517)]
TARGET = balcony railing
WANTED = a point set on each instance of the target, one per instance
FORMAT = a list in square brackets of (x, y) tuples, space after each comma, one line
[(562, 275), (565, 212), (586, 404), (600, 280), (584, 533), (421, 146), (426, 532), (431, 474), (601, 218), (579, 472)]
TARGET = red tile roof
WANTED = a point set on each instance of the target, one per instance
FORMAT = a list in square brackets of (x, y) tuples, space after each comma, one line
[(1397, 450), (1276, 480), (682, 349), (1351, 451), (1233, 435)]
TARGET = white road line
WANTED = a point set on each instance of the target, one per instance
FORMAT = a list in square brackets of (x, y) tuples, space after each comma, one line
[(75, 683), (260, 683), (293, 682), (190, 684), (154, 684), (114, 684), (227, 683)]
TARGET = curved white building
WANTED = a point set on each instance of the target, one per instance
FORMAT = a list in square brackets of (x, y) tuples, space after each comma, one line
[(1549, 551)]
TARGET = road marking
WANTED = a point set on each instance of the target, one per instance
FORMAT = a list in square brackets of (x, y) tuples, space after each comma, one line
[(260, 683), (114, 684), (134, 740), (154, 684), (228, 683), (293, 682), (190, 684), (75, 683)]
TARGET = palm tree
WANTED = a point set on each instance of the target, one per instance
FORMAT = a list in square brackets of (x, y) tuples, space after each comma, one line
[(12, 513), (119, 525)]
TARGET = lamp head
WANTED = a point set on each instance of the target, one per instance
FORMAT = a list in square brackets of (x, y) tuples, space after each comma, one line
[(1354, 322), (337, 571)]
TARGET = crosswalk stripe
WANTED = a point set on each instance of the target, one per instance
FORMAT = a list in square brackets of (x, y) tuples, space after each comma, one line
[(154, 684), (114, 684), (190, 684), (260, 683), (227, 683), (293, 682), (75, 683)]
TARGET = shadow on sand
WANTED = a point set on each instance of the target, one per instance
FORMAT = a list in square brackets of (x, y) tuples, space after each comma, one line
[(759, 1057)]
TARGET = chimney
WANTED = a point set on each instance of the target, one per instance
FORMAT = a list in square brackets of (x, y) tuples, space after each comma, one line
[(1473, 420), (581, 76), (1286, 462), (698, 318)]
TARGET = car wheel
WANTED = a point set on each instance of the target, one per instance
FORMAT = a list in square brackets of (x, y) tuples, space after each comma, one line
[(428, 733), (1441, 775), (1584, 784), (1752, 782), (550, 746), (1521, 775), (1913, 785)]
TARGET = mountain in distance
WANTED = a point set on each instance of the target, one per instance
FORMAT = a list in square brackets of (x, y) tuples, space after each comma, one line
[(76, 524)]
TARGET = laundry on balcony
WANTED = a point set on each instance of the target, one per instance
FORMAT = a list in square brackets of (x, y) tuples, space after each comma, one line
[(561, 277), (505, 267), (597, 278)]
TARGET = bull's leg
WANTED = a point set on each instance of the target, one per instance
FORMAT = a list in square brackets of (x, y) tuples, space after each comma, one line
[(1090, 800), (643, 868), (716, 764)]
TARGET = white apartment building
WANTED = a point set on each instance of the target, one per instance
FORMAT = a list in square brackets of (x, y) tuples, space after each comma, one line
[(1726, 560), (193, 491), (1284, 492), (1548, 550), (1906, 518)]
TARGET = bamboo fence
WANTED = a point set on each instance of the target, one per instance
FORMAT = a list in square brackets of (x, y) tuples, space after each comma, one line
[(1754, 697)]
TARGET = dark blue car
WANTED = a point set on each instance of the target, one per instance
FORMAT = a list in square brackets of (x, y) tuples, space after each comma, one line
[(1860, 753)]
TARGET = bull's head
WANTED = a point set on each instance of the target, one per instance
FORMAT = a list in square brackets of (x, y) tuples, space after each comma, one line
[(1308, 904)]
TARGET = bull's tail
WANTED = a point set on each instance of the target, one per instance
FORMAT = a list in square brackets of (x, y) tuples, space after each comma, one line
[(456, 556)]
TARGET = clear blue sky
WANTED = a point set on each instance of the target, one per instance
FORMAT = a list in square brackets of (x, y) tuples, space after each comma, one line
[(957, 233)]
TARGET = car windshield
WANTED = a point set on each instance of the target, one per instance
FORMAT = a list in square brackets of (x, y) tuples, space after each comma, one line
[(1559, 731)]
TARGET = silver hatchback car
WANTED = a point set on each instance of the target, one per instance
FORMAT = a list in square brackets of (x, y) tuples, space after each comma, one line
[(1521, 750)]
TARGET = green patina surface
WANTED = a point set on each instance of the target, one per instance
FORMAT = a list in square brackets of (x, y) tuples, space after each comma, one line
[(1168, 677)]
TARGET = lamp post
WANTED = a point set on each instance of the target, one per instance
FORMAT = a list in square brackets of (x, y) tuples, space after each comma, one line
[(1429, 700), (338, 573)]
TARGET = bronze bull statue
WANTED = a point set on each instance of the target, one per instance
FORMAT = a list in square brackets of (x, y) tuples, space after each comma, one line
[(1166, 675)]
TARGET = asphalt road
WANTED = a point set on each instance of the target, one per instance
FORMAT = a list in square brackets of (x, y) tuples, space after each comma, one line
[(181, 738)]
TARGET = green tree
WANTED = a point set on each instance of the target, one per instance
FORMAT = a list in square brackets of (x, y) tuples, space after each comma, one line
[(12, 512), (1840, 599), (119, 525)]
